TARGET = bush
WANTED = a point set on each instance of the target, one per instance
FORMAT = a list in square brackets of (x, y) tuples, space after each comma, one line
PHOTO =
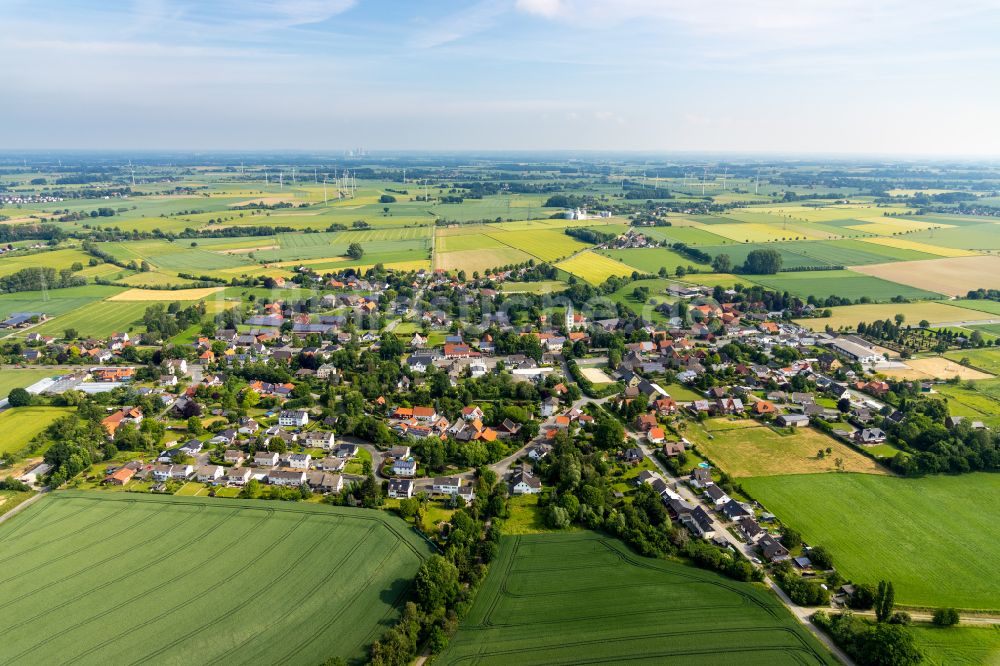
[(945, 617), (18, 398)]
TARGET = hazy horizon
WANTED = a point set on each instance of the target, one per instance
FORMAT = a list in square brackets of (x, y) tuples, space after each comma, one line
[(842, 79)]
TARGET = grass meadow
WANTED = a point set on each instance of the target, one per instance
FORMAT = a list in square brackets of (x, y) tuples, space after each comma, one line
[(20, 424), (12, 378), (585, 598), (847, 284), (933, 537), (747, 448), (256, 581)]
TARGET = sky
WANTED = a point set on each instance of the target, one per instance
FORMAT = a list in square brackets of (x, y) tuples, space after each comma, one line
[(874, 77)]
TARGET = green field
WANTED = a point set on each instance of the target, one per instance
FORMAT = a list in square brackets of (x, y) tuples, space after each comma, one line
[(54, 301), (846, 284), (57, 259), (585, 598), (97, 319), (984, 359), (98, 578), (12, 378), (933, 537), (934, 312), (958, 645), (20, 424), (650, 260)]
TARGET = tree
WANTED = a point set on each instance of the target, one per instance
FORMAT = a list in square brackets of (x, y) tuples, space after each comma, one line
[(945, 617), (885, 599), (195, 426), (899, 318), (889, 644), (821, 558), (790, 538), (762, 262), (251, 490), (436, 583), (556, 516), (355, 251), (844, 405), (71, 334), (18, 398), (863, 597), (722, 263), (387, 198), (609, 433)]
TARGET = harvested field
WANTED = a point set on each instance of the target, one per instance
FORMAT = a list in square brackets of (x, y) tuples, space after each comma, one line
[(953, 276), (937, 367), (165, 294), (904, 244), (482, 259)]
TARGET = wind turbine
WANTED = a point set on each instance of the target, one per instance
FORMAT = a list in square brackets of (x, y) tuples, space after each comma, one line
[(324, 190), (704, 177), (132, 171), (757, 182)]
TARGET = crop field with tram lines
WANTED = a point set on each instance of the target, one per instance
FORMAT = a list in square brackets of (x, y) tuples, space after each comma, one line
[(107, 574), (585, 598)]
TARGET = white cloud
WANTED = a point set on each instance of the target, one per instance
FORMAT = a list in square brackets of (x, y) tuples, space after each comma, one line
[(549, 8)]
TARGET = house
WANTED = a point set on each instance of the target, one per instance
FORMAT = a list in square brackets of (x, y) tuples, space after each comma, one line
[(192, 447), (523, 482), (400, 488), (425, 414), (320, 439), (238, 476), (762, 407), (404, 467), (265, 459), (347, 451), (293, 418), (771, 549), (644, 422), (672, 449), (472, 413), (701, 477), (120, 476), (447, 485), (398, 452), (538, 451), (125, 415), (181, 471), (749, 528), (734, 510), (283, 477), (699, 522), (550, 406), (716, 496), (655, 435), (298, 460), (633, 455), (324, 482), (233, 457), (160, 472), (869, 436), (792, 420), (210, 473), (331, 464)]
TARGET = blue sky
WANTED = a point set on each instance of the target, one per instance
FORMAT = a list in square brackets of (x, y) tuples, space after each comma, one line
[(803, 76)]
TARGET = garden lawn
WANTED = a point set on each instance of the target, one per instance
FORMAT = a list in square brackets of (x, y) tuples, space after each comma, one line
[(585, 598), (20, 424), (747, 448), (331, 580), (934, 537)]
